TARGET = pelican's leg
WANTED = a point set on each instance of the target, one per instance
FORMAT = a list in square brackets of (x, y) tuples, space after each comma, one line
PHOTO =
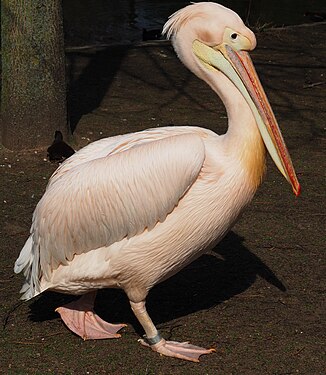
[(80, 318), (153, 339)]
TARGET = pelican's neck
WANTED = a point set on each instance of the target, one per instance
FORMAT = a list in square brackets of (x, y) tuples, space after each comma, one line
[(242, 139)]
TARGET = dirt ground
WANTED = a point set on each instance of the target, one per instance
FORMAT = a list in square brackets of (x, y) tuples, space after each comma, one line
[(258, 298)]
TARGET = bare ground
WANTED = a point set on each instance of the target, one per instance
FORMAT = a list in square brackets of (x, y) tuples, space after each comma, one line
[(258, 298)]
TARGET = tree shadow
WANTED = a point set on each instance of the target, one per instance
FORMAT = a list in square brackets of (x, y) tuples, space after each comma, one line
[(228, 270), (87, 88)]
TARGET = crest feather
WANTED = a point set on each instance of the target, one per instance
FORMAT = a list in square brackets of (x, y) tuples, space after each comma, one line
[(180, 18)]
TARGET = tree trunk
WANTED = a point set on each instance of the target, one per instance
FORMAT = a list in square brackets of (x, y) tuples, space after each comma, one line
[(33, 73)]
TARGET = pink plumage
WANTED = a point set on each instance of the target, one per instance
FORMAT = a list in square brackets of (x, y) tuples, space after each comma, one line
[(132, 210)]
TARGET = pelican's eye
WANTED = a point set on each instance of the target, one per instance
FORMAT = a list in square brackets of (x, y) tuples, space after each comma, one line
[(234, 36)]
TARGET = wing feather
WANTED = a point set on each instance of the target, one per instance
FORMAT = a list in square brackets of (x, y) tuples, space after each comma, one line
[(100, 201)]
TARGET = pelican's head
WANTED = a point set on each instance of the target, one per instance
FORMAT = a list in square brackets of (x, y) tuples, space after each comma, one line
[(212, 40)]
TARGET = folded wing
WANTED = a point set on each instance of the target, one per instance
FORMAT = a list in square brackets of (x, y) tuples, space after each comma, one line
[(104, 200)]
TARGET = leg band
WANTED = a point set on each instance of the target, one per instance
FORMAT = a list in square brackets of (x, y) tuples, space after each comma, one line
[(153, 340)]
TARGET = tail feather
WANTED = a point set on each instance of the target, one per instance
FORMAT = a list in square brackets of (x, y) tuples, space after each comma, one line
[(28, 263), (25, 258)]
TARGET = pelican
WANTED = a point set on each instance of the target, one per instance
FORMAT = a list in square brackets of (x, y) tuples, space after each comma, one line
[(132, 210)]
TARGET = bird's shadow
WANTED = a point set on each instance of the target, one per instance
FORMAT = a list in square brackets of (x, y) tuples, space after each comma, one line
[(212, 279)]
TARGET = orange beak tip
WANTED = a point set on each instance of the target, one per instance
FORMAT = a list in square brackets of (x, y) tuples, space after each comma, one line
[(297, 192)]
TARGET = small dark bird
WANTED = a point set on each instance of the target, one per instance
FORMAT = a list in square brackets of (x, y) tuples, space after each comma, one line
[(59, 150)]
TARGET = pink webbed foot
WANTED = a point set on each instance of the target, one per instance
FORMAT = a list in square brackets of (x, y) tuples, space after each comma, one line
[(182, 350), (80, 318)]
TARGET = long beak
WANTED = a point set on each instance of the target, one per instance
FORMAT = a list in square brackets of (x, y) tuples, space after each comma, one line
[(238, 67)]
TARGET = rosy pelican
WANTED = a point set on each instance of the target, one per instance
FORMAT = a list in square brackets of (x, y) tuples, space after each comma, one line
[(132, 210)]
